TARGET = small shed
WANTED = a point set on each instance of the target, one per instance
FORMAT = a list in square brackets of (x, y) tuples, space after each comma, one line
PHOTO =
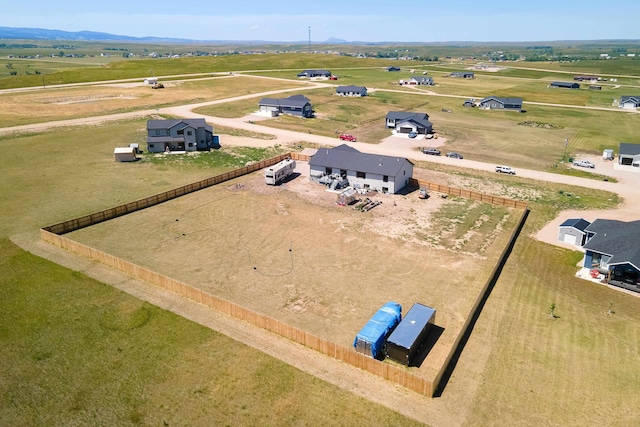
[(405, 341), (347, 197), (371, 338), (572, 231), (151, 81), (125, 154)]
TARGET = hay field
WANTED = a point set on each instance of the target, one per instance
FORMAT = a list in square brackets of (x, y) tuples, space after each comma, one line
[(20, 108), (294, 255)]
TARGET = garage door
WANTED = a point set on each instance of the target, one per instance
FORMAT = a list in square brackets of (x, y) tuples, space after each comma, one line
[(570, 239), (406, 130)]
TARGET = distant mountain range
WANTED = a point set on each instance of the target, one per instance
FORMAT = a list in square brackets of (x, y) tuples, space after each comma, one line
[(45, 34)]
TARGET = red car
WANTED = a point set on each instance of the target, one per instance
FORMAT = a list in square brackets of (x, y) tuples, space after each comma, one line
[(347, 137)]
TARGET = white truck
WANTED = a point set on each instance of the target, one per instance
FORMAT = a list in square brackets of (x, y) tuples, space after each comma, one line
[(276, 173)]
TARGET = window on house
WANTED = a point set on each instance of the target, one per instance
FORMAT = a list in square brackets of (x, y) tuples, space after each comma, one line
[(151, 146), (361, 175), (157, 131), (385, 178), (189, 133), (181, 132), (328, 170), (191, 144)]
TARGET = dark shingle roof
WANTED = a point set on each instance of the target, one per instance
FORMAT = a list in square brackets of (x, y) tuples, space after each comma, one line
[(505, 101), (169, 123), (292, 101), (421, 119), (616, 238), (634, 99), (577, 223), (350, 88), (629, 149), (348, 158), (564, 84)]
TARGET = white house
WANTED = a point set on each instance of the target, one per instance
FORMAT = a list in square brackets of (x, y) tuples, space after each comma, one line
[(151, 81)]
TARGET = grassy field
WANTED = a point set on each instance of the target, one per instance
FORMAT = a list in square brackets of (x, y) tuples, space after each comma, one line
[(60, 332)]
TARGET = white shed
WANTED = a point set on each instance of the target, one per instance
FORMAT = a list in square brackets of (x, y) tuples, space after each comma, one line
[(125, 154), (151, 81)]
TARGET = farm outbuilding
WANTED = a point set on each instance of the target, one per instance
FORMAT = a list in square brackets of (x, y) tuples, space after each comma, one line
[(405, 341), (371, 338), (572, 231), (125, 154), (565, 85)]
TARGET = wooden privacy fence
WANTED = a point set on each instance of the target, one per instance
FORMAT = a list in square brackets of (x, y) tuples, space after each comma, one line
[(468, 194), (392, 373), (399, 375)]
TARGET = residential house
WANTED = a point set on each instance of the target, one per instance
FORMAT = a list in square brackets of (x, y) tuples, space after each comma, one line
[(406, 122), (311, 74), (495, 103), (572, 231), (629, 154), (393, 68), (296, 105), (612, 249), (385, 174), (179, 135), (351, 91), (462, 74), (565, 85), (629, 102), (418, 81), (586, 78)]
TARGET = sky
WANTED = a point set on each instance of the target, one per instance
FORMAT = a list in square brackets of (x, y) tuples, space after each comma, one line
[(350, 20)]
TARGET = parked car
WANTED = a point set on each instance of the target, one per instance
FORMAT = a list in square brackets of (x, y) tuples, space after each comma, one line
[(347, 137), (432, 151), (584, 164), (454, 155), (413, 134), (505, 169)]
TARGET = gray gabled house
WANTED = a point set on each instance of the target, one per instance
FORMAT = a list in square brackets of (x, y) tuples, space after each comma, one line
[(385, 174), (565, 85), (629, 102), (612, 249), (406, 122), (351, 90), (496, 103), (296, 105), (462, 74), (179, 135), (315, 74), (428, 81), (629, 154)]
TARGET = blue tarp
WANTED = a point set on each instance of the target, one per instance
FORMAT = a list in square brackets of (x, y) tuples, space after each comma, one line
[(375, 332)]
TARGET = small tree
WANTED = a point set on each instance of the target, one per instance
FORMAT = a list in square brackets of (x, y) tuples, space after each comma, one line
[(552, 311)]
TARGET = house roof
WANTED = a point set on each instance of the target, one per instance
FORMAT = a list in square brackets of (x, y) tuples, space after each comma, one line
[(564, 84), (317, 72), (577, 223), (422, 79), (616, 238), (298, 101), (348, 158), (504, 101), (633, 99), (170, 123), (350, 88), (628, 149)]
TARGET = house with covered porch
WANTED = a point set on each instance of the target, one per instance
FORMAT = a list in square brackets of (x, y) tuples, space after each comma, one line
[(496, 103), (406, 122), (179, 135), (385, 174), (612, 250), (296, 105)]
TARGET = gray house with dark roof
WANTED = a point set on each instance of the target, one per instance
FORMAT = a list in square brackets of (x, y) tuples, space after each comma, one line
[(462, 74), (351, 90), (315, 74), (629, 102), (406, 122), (565, 85), (495, 103), (179, 135), (629, 154), (296, 105), (572, 231), (613, 249), (385, 174)]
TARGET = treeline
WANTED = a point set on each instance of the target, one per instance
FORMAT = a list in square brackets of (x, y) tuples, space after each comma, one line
[(18, 46)]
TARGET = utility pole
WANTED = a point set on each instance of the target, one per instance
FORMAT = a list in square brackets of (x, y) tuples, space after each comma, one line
[(43, 86), (309, 48)]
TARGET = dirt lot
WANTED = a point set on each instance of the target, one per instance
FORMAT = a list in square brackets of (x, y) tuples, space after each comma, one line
[(290, 252)]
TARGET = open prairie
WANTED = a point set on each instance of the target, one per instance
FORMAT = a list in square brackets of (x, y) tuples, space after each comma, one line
[(76, 351)]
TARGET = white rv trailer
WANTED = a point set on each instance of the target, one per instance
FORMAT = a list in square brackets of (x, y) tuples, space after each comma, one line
[(276, 173)]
